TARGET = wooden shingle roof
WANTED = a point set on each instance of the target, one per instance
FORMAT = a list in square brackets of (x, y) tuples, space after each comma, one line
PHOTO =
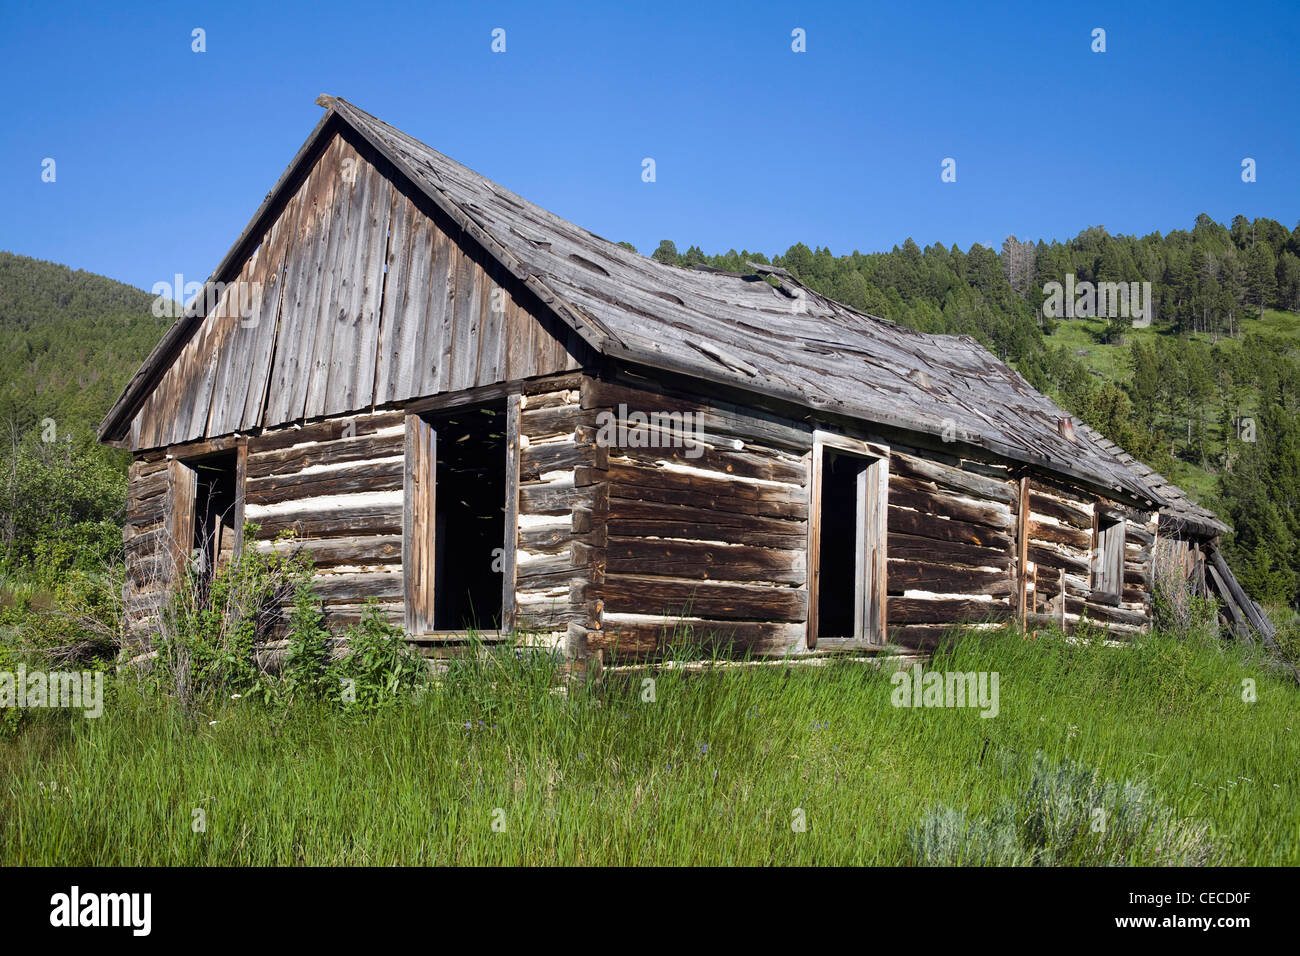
[(784, 341), (1179, 513)]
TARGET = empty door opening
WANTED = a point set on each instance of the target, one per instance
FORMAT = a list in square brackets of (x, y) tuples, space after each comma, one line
[(454, 536), (841, 520), (216, 514), (847, 536), (470, 494)]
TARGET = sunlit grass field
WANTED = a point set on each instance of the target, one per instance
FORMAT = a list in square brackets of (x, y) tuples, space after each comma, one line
[(494, 766)]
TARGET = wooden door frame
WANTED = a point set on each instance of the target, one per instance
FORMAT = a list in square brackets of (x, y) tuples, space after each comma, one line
[(419, 527), (871, 569), (182, 502), (419, 508)]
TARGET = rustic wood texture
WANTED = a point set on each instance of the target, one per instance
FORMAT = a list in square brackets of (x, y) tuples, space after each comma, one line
[(418, 511), (337, 488), (698, 515), (559, 549), (952, 546), (1061, 553), (368, 181), (360, 293)]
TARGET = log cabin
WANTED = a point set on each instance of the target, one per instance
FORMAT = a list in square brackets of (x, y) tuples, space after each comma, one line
[(482, 416)]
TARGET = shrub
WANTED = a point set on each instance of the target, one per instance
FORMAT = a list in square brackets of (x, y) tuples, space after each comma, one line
[(308, 655), (1067, 815), (211, 632), (947, 837), (1176, 607), (380, 667)]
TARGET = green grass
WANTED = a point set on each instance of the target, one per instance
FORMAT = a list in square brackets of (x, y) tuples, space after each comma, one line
[(712, 771), (1083, 338)]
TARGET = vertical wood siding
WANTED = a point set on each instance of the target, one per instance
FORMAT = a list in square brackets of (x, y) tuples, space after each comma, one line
[(359, 295)]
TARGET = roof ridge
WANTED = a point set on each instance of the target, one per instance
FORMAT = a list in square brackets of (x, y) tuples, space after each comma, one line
[(806, 348)]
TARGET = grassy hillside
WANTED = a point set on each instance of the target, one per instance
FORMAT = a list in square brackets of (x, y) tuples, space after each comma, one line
[(1085, 339)]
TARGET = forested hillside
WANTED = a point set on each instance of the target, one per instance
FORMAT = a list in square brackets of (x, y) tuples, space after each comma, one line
[(1208, 393), (69, 341)]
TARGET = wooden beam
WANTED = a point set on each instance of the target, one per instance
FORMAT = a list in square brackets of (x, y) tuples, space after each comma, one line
[(418, 524), (814, 562), (241, 476), (1254, 617), (1022, 549), (514, 408)]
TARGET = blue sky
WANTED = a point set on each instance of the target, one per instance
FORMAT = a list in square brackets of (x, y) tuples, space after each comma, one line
[(163, 154)]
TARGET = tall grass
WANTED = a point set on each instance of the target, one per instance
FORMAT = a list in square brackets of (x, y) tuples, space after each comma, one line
[(493, 765)]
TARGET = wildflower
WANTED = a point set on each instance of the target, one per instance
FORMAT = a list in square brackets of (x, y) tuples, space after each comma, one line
[(236, 696)]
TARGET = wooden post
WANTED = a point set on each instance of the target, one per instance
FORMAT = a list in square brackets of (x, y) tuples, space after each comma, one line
[(1022, 550), (813, 563), (876, 509), (514, 409), (241, 475), (418, 523), (182, 487), (1061, 596)]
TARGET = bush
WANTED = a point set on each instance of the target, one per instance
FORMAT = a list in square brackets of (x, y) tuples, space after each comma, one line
[(1176, 607), (1067, 815), (947, 837), (211, 633), (380, 667)]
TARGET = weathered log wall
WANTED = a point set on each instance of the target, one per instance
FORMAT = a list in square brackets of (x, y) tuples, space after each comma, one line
[(336, 486), (703, 521), (635, 530), (557, 551), (1061, 534), (145, 541), (951, 546)]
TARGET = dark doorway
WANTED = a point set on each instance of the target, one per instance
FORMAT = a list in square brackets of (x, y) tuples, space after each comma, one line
[(843, 476), (215, 513), (469, 508)]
